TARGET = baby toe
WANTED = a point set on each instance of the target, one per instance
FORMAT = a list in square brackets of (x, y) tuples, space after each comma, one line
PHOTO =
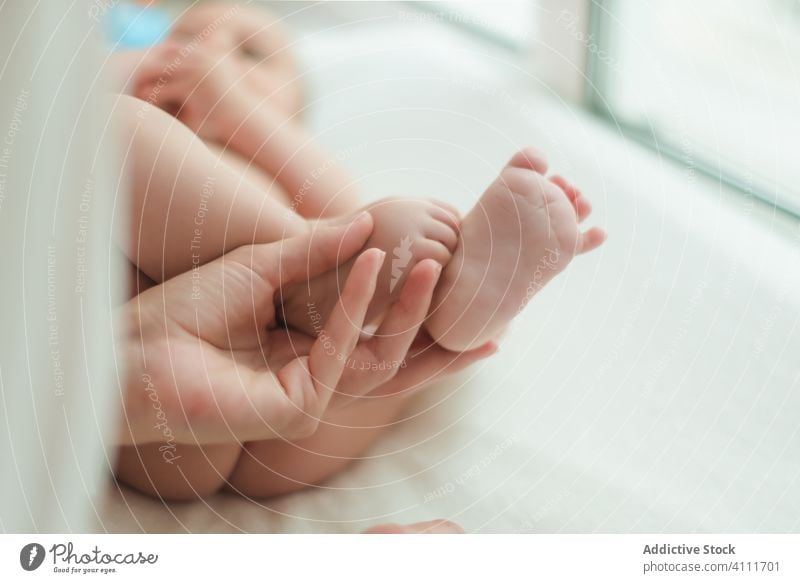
[(442, 232), (583, 207), (591, 240), (446, 213), (524, 182), (530, 158), (432, 249)]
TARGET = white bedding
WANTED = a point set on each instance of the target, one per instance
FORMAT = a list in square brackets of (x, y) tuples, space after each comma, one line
[(652, 387)]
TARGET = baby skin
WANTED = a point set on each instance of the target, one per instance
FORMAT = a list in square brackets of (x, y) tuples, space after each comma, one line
[(522, 233)]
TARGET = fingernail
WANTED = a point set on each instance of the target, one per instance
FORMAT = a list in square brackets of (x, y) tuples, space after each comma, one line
[(381, 255)]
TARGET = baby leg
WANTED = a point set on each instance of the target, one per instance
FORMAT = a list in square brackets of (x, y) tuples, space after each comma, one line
[(176, 471), (258, 469), (270, 468), (187, 208)]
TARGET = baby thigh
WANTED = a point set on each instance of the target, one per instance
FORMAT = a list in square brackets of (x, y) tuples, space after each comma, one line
[(270, 468), (176, 471)]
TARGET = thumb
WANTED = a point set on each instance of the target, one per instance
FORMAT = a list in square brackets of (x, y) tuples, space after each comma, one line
[(303, 257)]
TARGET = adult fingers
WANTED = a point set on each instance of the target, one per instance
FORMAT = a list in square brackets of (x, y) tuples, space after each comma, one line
[(339, 336), (389, 345), (301, 258)]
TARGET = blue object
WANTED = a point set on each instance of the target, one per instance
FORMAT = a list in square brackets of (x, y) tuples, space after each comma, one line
[(136, 27)]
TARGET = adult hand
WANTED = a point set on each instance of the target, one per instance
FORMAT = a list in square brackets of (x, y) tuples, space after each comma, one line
[(210, 366), (200, 344), (399, 358)]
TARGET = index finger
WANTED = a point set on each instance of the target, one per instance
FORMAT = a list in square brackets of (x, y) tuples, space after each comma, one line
[(389, 346), (338, 338), (301, 258)]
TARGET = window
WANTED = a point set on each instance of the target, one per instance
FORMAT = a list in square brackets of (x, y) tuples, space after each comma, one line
[(715, 83)]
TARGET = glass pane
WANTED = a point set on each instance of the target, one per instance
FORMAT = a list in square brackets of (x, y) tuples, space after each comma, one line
[(716, 80)]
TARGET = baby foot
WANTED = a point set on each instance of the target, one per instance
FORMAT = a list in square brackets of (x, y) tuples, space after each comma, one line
[(522, 233), (409, 231)]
